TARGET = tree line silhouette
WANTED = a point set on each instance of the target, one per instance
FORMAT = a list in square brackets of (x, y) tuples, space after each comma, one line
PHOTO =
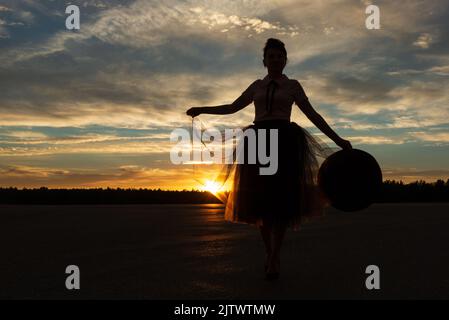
[(418, 191), (44, 195), (391, 191)]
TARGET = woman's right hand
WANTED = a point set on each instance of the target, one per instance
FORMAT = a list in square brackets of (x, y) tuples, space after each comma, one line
[(193, 112)]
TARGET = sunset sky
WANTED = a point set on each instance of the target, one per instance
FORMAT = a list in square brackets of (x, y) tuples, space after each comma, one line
[(95, 107)]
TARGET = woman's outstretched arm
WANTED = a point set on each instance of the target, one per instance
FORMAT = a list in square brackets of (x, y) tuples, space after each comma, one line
[(241, 102), (303, 103), (318, 120), (223, 109)]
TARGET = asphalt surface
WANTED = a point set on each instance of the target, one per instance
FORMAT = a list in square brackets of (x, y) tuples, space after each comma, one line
[(190, 252)]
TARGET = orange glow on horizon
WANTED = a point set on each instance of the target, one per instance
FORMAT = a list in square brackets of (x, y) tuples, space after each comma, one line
[(211, 186)]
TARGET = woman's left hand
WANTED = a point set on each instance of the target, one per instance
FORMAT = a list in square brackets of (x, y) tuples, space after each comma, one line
[(344, 144)]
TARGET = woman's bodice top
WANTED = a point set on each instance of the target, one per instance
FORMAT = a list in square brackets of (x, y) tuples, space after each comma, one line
[(273, 98)]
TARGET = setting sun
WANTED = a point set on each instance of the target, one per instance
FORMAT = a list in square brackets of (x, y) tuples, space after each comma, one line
[(212, 186)]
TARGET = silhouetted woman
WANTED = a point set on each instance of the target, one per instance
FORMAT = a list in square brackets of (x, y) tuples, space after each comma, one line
[(276, 202)]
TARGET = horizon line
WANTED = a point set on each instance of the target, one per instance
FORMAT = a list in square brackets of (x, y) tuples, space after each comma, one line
[(184, 189)]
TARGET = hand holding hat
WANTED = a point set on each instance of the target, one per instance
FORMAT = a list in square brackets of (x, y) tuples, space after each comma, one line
[(344, 144)]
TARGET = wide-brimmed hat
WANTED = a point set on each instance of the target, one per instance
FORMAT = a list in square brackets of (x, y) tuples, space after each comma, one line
[(350, 179)]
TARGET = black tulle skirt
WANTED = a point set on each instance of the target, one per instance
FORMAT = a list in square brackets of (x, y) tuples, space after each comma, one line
[(291, 194)]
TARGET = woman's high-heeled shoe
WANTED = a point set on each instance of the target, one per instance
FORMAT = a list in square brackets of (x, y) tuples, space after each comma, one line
[(267, 259), (273, 275)]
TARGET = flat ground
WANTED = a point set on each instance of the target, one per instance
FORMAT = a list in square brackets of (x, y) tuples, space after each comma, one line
[(189, 252)]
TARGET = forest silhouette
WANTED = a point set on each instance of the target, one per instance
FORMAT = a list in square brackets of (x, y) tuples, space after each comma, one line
[(391, 191)]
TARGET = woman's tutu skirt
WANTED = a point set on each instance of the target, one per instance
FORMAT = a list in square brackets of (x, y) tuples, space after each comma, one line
[(290, 195)]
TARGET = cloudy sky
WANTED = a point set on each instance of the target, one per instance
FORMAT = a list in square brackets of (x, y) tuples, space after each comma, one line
[(95, 107)]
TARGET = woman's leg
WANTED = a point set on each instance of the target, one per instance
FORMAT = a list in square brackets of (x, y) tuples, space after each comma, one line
[(266, 236), (277, 238)]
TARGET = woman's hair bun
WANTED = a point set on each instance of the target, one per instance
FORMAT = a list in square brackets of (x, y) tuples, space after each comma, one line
[(275, 44)]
